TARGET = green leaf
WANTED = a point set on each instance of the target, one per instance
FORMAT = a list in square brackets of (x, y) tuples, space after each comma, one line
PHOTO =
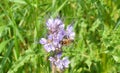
[(2, 28), (95, 25), (18, 1), (3, 62), (3, 44), (116, 58), (88, 62), (19, 35), (20, 62), (60, 8)]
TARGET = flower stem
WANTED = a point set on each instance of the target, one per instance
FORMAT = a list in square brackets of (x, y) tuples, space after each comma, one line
[(53, 68)]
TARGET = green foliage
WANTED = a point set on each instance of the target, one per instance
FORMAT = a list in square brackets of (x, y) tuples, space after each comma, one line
[(96, 48)]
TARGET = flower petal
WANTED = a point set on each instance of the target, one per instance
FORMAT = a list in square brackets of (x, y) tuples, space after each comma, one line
[(59, 64), (43, 41), (59, 55), (49, 22), (50, 37), (61, 27), (47, 48), (57, 22), (61, 34), (69, 28), (66, 62), (52, 59), (72, 36)]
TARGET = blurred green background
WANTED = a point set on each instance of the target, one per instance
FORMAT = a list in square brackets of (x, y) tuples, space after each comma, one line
[(96, 48)]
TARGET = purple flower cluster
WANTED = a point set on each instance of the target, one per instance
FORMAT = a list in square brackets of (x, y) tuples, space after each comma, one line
[(53, 43)]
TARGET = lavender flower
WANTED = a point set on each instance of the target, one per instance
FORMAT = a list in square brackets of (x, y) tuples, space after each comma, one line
[(52, 60), (61, 64), (53, 42), (43, 41), (47, 45), (54, 25), (66, 62), (69, 32), (58, 55)]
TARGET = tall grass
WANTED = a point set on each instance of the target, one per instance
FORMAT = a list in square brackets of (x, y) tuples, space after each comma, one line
[(96, 48)]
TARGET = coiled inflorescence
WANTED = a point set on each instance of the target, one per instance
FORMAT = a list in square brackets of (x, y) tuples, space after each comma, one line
[(57, 37)]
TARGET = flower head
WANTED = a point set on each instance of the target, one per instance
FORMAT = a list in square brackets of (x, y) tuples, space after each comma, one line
[(54, 40)]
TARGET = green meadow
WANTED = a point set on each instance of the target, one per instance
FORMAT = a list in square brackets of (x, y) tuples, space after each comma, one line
[(96, 48)]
